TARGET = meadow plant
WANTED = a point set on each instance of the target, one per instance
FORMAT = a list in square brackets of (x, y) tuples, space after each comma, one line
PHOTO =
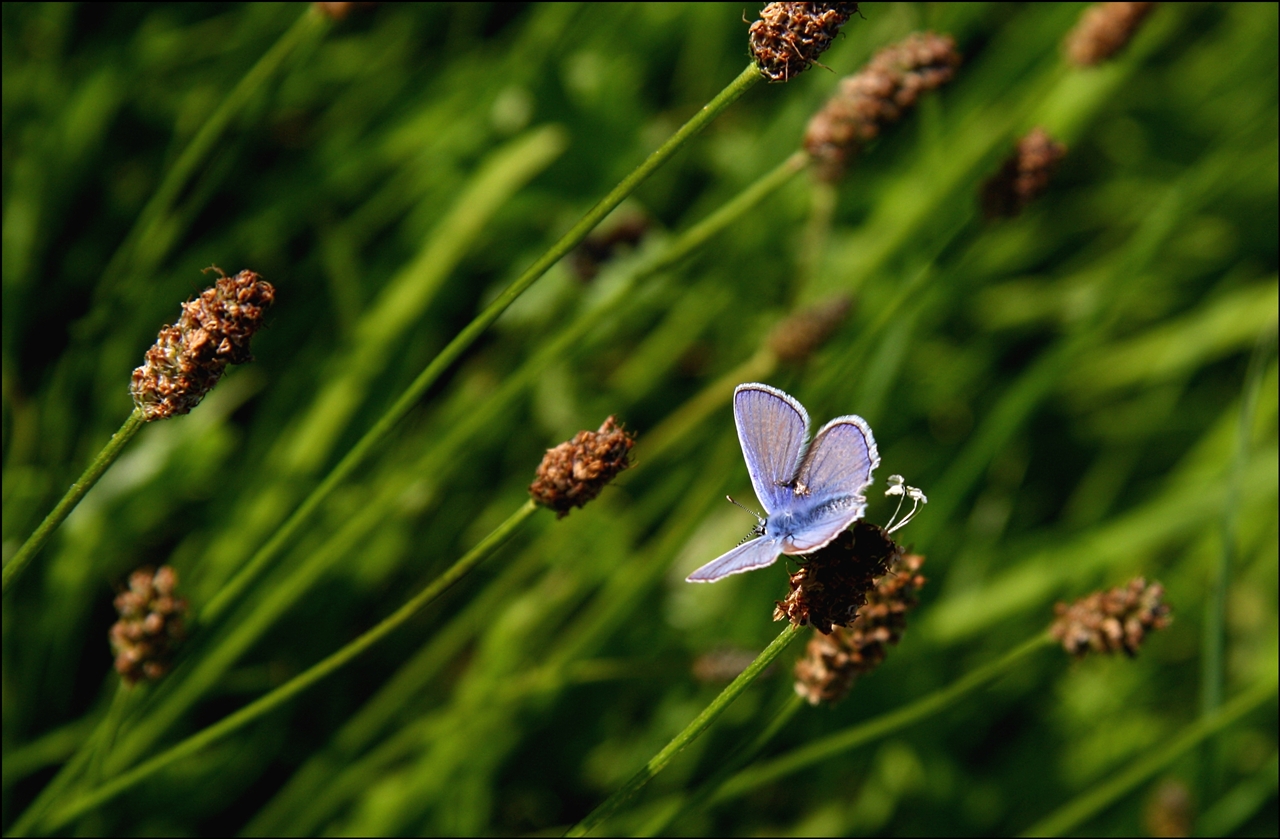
[(486, 228)]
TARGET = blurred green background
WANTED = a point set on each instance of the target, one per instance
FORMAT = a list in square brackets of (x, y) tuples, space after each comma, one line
[(1087, 393)]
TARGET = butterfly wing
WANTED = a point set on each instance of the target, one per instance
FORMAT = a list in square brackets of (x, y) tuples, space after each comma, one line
[(771, 428), (834, 472), (748, 556)]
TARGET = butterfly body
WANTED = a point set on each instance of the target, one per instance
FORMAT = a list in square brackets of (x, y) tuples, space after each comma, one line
[(811, 491)]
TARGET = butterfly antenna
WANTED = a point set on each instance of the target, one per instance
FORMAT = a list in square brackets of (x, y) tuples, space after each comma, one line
[(758, 530), (759, 517)]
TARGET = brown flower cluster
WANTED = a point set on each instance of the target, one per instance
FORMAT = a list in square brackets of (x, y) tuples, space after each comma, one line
[(789, 37), (574, 472), (795, 339), (833, 662), (150, 624), (1111, 621), (1103, 30), (1024, 176), (876, 97), (190, 356), (833, 583)]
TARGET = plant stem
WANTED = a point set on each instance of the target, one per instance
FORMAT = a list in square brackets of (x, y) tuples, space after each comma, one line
[(230, 593), (857, 735), (299, 683), (70, 772), (1214, 638), (730, 767), (105, 458), (691, 732), (1068, 817)]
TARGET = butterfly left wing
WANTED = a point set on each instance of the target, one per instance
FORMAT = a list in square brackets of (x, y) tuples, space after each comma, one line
[(748, 556)]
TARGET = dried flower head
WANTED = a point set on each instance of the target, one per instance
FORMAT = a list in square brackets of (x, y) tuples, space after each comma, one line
[(795, 339), (789, 37), (574, 472), (833, 583), (833, 662), (150, 624), (601, 246), (1111, 621), (1103, 30), (876, 97), (1023, 176), (190, 356)]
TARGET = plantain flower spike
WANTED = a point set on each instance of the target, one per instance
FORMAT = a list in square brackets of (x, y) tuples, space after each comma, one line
[(876, 97), (833, 584), (575, 471), (1024, 176), (190, 356), (832, 663), (789, 37), (802, 333), (1104, 29), (1111, 621), (150, 624)]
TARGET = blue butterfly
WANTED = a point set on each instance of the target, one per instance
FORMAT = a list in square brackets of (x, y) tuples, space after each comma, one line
[(810, 491)]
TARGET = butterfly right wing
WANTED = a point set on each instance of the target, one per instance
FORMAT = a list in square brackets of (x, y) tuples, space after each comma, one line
[(771, 428), (840, 460), (836, 470), (748, 556)]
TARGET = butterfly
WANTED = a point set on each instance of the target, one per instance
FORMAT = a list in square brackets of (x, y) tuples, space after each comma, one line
[(810, 491)]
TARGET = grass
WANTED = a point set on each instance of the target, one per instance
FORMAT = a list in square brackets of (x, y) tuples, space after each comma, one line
[(1086, 392)]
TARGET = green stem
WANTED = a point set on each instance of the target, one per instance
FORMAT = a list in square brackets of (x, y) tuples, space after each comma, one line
[(105, 458), (299, 683), (857, 735), (230, 593), (1214, 638), (728, 769), (1068, 817), (691, 732), (70, 772)]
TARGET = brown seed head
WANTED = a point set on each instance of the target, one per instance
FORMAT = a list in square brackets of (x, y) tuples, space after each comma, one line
[(1111, 621), (789, 37), (833, 662), (876, 97), (1103, 30), (833, 583), (574, 472), (1023, 176), (795, 339), (150, 624), (190, 356)]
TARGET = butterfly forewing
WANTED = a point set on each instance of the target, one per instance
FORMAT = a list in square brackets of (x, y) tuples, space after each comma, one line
[(746, 557), (772, 428), (840, 461)]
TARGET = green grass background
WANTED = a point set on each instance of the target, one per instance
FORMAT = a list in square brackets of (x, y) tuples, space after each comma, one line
[(1087, 393)]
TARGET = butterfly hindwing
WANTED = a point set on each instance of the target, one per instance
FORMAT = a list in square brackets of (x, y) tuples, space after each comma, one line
[(748, 556)]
